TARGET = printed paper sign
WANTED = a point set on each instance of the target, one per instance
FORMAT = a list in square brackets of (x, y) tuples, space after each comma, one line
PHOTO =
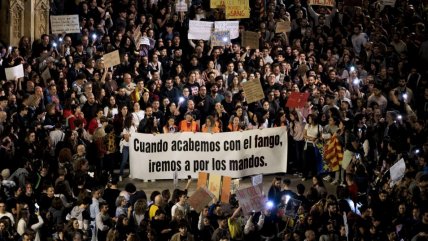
[(144, 41), (14, 72), (297, 100), (220, 38), (46, 74), (200, 30), (253, 91), (283, 27), (65, 24), (111, 59), (250, 199), (241, 154), (329, 3), (214, 184), (250, 39), (199, 199), (231, 26), (181, 6)]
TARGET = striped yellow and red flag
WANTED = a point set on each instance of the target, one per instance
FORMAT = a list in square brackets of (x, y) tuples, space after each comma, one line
[(333, 154)]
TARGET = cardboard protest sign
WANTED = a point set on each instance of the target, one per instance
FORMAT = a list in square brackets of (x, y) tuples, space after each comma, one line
[(283, 27), (220, 38), (297, 100), (199, 199), (111, 59), (237, 9), (253, 91), (14, 72), (65, 24), (217, 4), (46, 74), (250, 199), (235, 186), (202, 179), (225, 189), (214, 184), (257, 179), (250, 39), (231, 26), (200, 30), (397, 171), (328, 3), (181, 6)]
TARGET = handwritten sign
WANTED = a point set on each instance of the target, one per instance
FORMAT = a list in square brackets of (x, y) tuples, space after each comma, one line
[(237, 9), (329, 3), (214, 184), (283, 27), (200, 199), (231, 26), (14, 72), (144, 41), (200, 30), (250, 39), (217, 4), (111, 59), (65, 24), (297, 100), (250, 199), (253, 91), (181, 6), (220, 38)]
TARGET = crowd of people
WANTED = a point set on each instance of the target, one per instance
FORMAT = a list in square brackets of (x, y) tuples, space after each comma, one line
[(65, 126)]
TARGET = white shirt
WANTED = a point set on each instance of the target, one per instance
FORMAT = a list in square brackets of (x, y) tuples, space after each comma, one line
[(312, 131), (137, 117)]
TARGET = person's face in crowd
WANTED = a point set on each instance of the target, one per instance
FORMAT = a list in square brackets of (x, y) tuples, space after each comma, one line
[(402, 83), (295, 88), (202, 91), (235, 121), (186, 92), (149, 111), (155, 105), (124, 111), (28, 189)]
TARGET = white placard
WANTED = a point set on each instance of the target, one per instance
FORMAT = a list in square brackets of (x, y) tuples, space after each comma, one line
[(181, 6), (397, 171), (200, 30), (257, 179), (65, 24), (241, 154), (144, 41), (14, 72), (231, 26)]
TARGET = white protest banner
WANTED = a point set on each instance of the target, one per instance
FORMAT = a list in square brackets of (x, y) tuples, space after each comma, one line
[(181, 6), (250, 199), (241, 154), (231, 26), (200, 30), (397, 171), (65, 24), (14, 72)]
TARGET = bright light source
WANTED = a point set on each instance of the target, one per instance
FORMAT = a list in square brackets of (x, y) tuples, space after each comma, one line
[(399, 117), (405, 96), (181, 100), (60, 39), (54, 44), (356, 81), (225, 39), (287, 198), (352, 69), (269, 204), (94, 36)]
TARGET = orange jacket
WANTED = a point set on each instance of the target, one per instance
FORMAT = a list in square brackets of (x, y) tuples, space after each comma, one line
[(188, 127)]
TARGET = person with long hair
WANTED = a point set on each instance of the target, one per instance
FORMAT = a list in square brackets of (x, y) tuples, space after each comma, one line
[(311, 134), (170, 126), (210, 126), (111, 109), (128, 130)]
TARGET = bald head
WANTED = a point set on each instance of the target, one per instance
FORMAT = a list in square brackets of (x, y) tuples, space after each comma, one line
[(158, 200)]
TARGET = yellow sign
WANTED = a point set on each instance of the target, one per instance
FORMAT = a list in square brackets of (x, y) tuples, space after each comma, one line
[(237, 9), (217, 4)]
